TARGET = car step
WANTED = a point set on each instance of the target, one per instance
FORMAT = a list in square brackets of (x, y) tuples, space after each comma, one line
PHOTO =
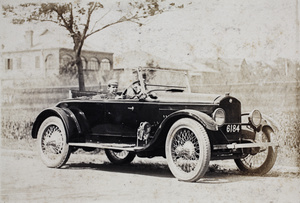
[(116, 146), (245, 145)]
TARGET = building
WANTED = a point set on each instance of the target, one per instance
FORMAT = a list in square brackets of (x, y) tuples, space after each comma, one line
[(44, 60), (197, 72)]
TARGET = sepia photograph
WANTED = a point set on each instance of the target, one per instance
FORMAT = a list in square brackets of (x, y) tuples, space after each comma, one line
[(150, 101)]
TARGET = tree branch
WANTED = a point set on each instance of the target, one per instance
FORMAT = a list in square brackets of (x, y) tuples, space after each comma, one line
[(71, 21), (121, 20), (99, 20), (89, 14), (66, 24), (106, 26)]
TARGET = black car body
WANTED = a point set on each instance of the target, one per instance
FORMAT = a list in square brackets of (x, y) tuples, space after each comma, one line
[(188, 129)]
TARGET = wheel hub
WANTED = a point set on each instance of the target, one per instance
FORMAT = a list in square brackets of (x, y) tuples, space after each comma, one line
[(185, 150), (54, 141)]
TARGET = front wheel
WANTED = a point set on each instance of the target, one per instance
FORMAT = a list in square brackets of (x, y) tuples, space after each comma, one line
[(119, 156), (52, 142), (260, 160), (187, 150)]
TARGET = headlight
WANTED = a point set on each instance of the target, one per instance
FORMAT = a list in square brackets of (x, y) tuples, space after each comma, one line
[(255, 118), (219, 116)]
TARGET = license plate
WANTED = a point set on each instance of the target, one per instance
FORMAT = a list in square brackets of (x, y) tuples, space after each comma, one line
[(233, 128)]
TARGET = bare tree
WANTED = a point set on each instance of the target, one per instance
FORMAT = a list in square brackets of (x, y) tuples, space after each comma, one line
[(81, 21)]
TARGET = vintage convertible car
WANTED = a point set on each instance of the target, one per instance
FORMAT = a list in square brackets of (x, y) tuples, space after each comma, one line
[(188, 129)]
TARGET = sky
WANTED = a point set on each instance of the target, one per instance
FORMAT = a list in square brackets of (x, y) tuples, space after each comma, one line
[(257, 29)]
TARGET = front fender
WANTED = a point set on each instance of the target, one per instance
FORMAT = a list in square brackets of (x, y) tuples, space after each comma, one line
[(69, 120), (163, 129), (201, 117), (268, 121)]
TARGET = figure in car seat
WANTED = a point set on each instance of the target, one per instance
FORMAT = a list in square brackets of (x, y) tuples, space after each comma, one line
[(112, 88), (134, 91)]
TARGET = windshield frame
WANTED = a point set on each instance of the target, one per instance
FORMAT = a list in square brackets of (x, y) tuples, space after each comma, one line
[(162, 87)]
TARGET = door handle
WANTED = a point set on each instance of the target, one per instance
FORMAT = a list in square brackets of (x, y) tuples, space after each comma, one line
[(131, 108)]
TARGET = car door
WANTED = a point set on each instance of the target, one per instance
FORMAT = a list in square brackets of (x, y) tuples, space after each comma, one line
[(112, 120), (122, 117), (126, 115)]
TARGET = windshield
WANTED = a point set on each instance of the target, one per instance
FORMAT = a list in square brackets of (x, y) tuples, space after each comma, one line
[(157, 79)]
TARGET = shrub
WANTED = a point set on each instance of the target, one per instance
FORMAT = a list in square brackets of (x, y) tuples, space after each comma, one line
[(17, 124), (288, 137)]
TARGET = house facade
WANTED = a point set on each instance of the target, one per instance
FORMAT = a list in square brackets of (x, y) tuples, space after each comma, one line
[(48, 60)]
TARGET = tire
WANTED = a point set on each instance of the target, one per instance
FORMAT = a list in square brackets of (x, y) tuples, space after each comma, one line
[(119, 156), (260, 162), (187, 150), (52, 143)]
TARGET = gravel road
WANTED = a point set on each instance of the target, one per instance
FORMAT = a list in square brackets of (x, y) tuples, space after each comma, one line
[(91, 178)]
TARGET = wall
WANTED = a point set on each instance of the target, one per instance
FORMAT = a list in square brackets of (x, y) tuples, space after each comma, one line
[(25, 73), (24, 64)]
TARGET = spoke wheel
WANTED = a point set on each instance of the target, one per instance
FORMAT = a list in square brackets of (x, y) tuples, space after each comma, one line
[(52, 143), (187, 150), (260, 160), (119, 156)]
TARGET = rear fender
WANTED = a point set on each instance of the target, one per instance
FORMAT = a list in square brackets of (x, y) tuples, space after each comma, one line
[(68, 118)]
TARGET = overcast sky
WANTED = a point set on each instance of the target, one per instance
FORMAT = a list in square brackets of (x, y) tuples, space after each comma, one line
[(256, 29)]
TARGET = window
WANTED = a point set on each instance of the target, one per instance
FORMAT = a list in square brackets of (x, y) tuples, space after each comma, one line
[(93, 64), (50, 62), (65, 60), (66, 65), (37, 62), (8, 64), (105, 64)]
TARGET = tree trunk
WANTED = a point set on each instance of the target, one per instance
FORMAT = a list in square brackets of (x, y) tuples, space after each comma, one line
[(78, 43), (80, 73)]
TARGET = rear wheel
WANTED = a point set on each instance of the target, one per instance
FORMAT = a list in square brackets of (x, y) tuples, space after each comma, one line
[(187, 150), (52, 142), (259, 161), (119, 156)]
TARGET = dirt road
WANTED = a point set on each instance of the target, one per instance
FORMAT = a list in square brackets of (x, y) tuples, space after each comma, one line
[(91, 178)]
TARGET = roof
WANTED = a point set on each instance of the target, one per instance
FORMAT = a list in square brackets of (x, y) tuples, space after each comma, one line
[(135, 59), (45, 39)]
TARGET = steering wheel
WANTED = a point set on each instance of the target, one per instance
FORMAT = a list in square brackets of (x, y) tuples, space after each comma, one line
[(131, 93), (137, 95)]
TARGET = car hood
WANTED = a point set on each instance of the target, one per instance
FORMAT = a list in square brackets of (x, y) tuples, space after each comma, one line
[(186, 97)]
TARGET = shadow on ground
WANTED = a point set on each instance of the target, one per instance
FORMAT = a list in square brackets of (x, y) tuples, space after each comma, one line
[(133, 168), (213, 175)]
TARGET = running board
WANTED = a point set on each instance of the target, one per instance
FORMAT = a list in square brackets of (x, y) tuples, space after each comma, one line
[(125, 147), (245, 145)]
